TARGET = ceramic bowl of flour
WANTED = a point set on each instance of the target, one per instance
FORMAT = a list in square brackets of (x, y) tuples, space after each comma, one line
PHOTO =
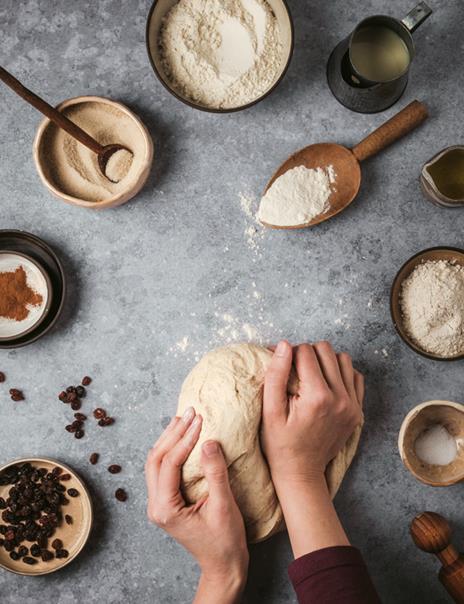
[(27, 295), (427, 303), (431, 443), (223, 60), (71, 172)]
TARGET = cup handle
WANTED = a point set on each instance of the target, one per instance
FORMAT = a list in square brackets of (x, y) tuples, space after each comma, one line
[(417, 16)]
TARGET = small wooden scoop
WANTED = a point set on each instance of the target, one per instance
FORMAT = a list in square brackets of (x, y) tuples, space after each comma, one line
[(103, 152), (345, 161), (432, 533)]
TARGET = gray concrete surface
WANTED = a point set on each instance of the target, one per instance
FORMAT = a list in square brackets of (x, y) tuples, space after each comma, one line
[(171, 263)]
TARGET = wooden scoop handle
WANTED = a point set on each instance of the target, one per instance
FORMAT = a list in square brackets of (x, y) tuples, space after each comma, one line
[(432, 533), (53, 114), (400, 124)]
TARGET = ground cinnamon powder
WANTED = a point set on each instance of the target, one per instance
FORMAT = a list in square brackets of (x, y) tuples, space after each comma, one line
[(15, 295)]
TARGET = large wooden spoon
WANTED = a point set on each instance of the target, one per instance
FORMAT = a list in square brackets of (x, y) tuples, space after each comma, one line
[(346, 162), (104, 152)]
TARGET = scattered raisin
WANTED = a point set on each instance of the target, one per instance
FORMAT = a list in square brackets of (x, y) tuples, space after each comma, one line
[(106, 421), (94, 458), (80, 391), (2, 376), (63, 396), (120, 495), (99, 413), (69, 428), (71, 389), (57, 544), (79, 433), (29, 560), (80, 417), (16, 395), (62, 553), (46, 555), (76, 405), (114, 469), (86, 380), (73, 492)]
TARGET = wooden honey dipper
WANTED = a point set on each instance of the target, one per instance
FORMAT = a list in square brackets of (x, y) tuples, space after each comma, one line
[(432, 533)]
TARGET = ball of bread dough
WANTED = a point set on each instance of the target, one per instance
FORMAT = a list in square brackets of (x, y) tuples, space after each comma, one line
[(226, 388)]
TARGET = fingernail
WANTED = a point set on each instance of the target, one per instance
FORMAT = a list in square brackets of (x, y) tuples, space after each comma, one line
[(188, 414), (195, 423), (211, 448), (282, 348)]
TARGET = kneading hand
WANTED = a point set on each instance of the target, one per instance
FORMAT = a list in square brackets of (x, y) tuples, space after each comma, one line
[(303, 433), (212, 530)]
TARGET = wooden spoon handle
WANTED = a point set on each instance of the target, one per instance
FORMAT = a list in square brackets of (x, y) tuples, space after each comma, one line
[(400, 124), (53, 114)]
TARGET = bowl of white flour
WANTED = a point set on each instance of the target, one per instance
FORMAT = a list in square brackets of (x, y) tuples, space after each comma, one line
[(220, 56), (427, 303)]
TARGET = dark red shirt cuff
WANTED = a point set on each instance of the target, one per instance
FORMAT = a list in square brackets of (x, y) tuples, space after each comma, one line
[(333, 574)]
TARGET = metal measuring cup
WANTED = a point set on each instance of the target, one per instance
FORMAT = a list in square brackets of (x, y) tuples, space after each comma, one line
[(356, 90)]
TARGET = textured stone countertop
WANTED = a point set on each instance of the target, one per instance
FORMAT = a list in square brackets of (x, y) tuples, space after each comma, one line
[(175, 272)]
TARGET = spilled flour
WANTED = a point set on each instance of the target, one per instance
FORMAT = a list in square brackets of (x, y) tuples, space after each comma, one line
[(297, 196), (221, 53)]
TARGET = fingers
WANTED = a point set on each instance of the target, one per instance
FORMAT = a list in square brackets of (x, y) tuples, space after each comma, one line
[(329, 365), (359, 387), (171, 465), (216, 473), (346, 369), (276, 380), (174, 432), (308, 369)]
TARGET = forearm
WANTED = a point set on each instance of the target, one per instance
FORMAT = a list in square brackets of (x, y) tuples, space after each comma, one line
[(311, 519), (227, 590)]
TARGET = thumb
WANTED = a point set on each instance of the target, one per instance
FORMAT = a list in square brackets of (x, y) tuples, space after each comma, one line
[(215, 469)]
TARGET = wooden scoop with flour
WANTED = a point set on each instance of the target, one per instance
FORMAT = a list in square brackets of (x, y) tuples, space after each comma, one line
[(346, 162)]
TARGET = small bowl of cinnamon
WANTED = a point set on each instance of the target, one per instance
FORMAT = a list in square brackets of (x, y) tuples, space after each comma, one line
[(25, 294)]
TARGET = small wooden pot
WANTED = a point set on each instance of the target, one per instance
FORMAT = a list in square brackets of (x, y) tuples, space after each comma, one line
[(449, 254), (74, 536), (117, 199), (424, 416)]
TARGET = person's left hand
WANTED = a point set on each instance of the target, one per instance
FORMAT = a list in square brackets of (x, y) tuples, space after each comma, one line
[(212, 530)]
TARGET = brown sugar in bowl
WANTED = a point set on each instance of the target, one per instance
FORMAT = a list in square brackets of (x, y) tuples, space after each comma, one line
[(44, 169)]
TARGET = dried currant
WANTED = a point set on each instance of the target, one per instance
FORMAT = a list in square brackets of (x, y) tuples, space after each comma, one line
[(120, 495), (114, 468)]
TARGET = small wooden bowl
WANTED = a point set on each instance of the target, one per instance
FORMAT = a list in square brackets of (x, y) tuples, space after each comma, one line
[(422, 417), (74, 536), (117, 199), (434, 253), (158, 11)]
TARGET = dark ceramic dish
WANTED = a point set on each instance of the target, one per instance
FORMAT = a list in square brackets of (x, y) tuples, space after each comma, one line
[(160, 8), (42, 255), (433, 253)]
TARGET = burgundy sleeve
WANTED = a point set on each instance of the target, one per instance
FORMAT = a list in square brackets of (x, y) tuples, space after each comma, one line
[(333, 574)]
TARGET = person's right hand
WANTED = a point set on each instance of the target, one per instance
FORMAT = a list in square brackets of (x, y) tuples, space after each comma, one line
[(302, 433)]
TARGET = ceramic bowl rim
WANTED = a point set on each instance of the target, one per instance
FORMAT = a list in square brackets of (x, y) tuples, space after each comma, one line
[(117, 199), (50, 251), (216, 109)]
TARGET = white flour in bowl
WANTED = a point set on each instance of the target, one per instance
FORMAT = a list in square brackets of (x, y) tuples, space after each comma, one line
[(432, 304), (221, 53)]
